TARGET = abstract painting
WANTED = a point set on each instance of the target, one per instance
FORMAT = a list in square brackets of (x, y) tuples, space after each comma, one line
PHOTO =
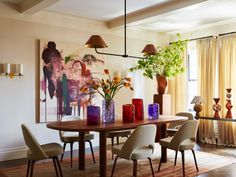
[(62, 73)]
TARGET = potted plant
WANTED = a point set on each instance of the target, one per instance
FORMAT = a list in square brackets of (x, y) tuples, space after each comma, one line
[(167, 62)]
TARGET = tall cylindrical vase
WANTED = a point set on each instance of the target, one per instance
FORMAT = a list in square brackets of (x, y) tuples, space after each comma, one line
[(138, 107), (108, 111)]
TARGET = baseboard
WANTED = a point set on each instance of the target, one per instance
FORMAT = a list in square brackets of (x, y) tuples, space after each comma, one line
[(13, 153)]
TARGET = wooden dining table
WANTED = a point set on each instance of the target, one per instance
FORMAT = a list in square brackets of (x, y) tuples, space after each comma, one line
[(82, 127)]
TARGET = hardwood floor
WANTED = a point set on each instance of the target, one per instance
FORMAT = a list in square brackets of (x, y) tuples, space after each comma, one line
[(227, 171)]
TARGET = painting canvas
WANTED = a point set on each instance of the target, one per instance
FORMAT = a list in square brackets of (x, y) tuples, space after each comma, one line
[(63, 69)]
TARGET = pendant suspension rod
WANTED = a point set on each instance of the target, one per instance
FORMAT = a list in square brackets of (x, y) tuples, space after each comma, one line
[(125, 54)]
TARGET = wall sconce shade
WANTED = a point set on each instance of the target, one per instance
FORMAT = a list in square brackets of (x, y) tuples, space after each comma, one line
[(149, 49), (95, 41), (11, 70)]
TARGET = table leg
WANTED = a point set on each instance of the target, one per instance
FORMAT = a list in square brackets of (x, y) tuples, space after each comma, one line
[(163, 149), (81, 151), (103, 154), (161, 133)]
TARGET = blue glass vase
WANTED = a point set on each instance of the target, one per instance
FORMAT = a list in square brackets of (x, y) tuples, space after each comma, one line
[(108, 111), (153, 111)]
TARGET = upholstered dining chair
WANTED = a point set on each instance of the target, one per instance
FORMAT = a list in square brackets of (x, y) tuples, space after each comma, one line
[(72, 137), (183, 140), (38, 152), (139, 145), (173, 127)]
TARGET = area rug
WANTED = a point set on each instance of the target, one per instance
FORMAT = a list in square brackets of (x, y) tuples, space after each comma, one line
[(206, 162)]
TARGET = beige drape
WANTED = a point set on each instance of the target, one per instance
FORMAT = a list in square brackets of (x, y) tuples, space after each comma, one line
[(178, 89), (227, 79), (206, 53)]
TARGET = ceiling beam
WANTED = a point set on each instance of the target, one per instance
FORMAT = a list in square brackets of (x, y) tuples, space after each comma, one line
[(152, 12), (31, 7)]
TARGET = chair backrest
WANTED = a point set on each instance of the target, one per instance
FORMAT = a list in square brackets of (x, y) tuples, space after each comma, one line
[(143, 135), (184, 114), (68, 118), (37, 153), (187, 131)]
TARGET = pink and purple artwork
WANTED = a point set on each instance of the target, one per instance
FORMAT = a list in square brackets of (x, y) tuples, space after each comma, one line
[(62, 74)]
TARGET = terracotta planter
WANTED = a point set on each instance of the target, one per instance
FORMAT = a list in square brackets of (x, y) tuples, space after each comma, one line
[(162, 84)]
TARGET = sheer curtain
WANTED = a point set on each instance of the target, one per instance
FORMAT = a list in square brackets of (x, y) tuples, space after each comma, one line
[(207, 61), (177, 90), (227, 74)]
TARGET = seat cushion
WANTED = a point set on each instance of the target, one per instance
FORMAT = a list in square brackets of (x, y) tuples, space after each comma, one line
[(122, 133), (51, 149), (139, 153), (185, 145), (74, 138)]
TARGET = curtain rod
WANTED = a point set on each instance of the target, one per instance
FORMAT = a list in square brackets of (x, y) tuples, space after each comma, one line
[(222, 34)]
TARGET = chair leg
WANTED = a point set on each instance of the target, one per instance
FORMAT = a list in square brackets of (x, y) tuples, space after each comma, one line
[(114, 165), (117, 140), (59, 166), (135, 168), (28, 168), (150, 160), (32, 168), (160, 164), (55, 165), (64, 148), (176, 154), (195, 160), (71, 153), (182, 152), (91, 148)]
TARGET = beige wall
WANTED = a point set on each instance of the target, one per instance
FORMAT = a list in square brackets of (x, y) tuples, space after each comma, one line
[(18, 36)]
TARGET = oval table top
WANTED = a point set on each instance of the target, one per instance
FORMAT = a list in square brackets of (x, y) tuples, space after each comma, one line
[(81, 125)]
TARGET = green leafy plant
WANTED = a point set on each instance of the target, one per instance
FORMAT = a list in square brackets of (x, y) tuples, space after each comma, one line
[(169, 61)]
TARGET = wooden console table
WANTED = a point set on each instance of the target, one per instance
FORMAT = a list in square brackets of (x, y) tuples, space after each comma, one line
[(216, 119)]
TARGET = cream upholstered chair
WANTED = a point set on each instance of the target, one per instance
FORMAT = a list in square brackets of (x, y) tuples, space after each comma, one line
[(38, 152), (173, 127), (183, 140), (71, 137), (139, 145)]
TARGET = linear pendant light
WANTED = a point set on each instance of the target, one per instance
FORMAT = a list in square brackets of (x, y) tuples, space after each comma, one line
[(96, 41)]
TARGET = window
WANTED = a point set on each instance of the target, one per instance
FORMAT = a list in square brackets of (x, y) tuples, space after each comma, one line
[(192, 73)]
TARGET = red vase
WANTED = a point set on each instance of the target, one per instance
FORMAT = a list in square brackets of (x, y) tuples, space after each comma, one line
[(138, 106), (162, 84), (128, 113)]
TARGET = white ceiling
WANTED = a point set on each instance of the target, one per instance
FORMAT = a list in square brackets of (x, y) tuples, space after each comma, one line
[(158, 15)]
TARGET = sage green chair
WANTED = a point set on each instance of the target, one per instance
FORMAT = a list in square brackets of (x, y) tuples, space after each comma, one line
[(72, 137), (139, 145), (173, 127), (183, 140), (38, 152)]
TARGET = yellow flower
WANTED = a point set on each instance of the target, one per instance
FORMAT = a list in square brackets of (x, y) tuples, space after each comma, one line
[(106, 71)]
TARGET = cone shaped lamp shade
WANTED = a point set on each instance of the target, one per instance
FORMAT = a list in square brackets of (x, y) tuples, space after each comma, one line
[(95, 41), (149, 49)]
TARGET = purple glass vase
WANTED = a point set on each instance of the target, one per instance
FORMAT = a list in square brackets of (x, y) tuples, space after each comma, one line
[(108, 111), (93, 115), (153, 111)]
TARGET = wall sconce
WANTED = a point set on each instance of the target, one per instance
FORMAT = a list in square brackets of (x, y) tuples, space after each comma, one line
[(11, 70)]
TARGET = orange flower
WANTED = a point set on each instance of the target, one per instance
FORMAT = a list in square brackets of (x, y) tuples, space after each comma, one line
[(128, 79), (84, 89), (106, 71), (95, 86), (117, 80), (127, 84), (107, 91)]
